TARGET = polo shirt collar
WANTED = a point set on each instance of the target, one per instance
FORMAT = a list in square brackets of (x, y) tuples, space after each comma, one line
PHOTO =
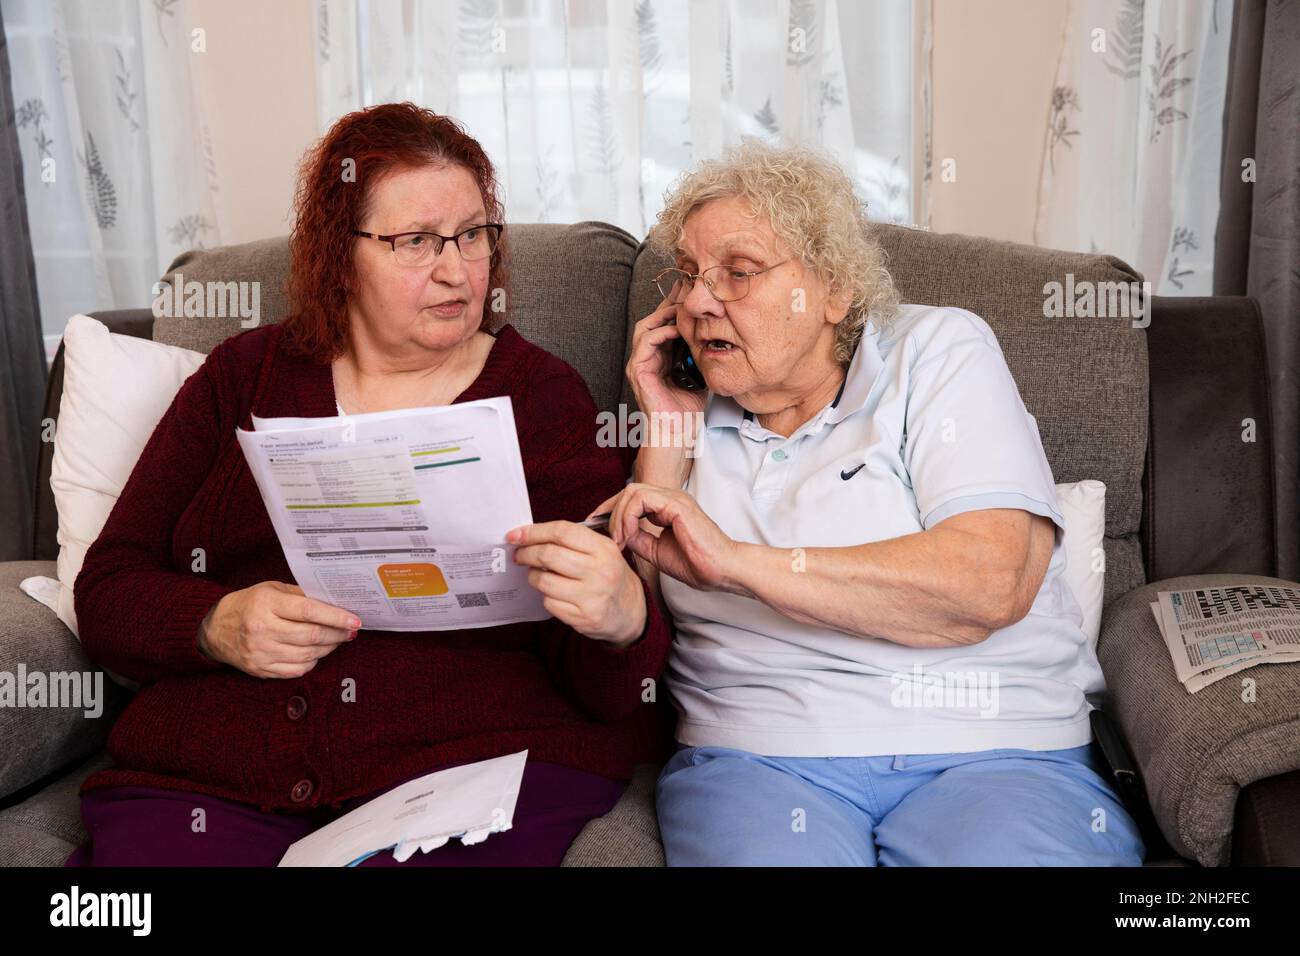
[(861, 378), (722, 411)]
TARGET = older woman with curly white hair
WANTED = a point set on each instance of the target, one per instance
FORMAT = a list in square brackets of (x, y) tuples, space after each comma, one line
[(877, 659)]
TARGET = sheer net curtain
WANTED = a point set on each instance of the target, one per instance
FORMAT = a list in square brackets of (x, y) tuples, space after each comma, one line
[(1132, 150), (591, 108), (117, 160)]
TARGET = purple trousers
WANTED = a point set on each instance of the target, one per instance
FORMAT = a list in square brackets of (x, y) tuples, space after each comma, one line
[(152, 826)]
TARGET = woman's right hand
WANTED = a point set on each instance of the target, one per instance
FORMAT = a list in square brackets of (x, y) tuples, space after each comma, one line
[(273, 629), (679, 409), (648, 365)]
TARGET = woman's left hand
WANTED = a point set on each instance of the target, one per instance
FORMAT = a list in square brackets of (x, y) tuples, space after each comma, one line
[(584, 579), (691, 547)]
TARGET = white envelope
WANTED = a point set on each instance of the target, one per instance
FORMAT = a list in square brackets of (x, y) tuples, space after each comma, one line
[(471, 802)]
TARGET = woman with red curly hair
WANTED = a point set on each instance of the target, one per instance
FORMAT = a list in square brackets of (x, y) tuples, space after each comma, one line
[(263, 713)]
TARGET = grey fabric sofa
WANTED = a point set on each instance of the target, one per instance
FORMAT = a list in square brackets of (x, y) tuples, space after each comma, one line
[(1155, 412)]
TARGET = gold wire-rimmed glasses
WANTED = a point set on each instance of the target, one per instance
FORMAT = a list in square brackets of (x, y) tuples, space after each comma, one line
[(726, 283)]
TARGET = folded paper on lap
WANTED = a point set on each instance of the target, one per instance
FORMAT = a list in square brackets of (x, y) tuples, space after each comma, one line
[(469, 802)]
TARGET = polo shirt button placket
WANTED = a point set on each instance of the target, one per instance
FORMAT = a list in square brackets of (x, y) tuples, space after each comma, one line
[(772, 475)]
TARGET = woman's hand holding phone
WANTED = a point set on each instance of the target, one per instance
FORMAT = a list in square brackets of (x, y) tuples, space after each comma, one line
[(650, 363), (648, 371)]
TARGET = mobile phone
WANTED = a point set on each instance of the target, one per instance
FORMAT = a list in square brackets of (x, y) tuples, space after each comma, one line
[(684, 372)]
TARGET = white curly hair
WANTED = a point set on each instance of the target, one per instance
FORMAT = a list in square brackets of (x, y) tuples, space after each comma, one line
[(812, 206)]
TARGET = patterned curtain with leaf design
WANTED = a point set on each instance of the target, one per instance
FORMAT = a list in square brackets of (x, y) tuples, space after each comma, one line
[(1132, 149), (591, 108), (117, 157)]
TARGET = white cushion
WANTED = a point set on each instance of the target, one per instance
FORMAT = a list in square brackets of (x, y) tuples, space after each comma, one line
[(1083, 505), (115, 390)]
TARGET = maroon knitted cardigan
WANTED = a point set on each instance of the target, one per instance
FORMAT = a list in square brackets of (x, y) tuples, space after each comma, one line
[(422, 700)]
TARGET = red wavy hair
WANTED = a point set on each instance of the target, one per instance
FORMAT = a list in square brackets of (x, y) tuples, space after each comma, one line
[(379, 140)]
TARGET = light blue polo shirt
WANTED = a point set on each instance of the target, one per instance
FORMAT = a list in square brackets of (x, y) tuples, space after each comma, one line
[(927, 424)]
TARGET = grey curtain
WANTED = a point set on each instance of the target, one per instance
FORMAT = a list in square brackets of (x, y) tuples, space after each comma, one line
[(22, 352), (1257, 243)]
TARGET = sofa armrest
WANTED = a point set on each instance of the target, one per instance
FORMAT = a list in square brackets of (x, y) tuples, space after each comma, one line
[(1197, 752), (43, 665)]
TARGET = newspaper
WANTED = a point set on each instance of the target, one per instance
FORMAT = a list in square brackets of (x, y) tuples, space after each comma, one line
[(1214, 632), (400, 517)]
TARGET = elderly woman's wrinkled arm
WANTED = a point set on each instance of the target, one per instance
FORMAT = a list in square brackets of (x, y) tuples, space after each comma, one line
[(675, 469), (953, 584)]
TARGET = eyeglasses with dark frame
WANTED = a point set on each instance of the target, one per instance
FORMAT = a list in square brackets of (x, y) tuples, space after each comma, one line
[(725, 283), (412, 249)]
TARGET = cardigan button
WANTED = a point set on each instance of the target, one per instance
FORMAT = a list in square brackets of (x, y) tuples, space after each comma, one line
[(296, 708), (301, 791)]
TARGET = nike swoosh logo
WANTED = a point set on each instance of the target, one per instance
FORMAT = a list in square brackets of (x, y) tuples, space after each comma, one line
[(846, 475)]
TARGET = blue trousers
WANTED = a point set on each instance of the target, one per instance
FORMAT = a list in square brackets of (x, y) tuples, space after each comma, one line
[(723, 807)]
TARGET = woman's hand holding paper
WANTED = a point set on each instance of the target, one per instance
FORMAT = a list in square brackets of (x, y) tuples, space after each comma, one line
[(584, 579), (272, 629)]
